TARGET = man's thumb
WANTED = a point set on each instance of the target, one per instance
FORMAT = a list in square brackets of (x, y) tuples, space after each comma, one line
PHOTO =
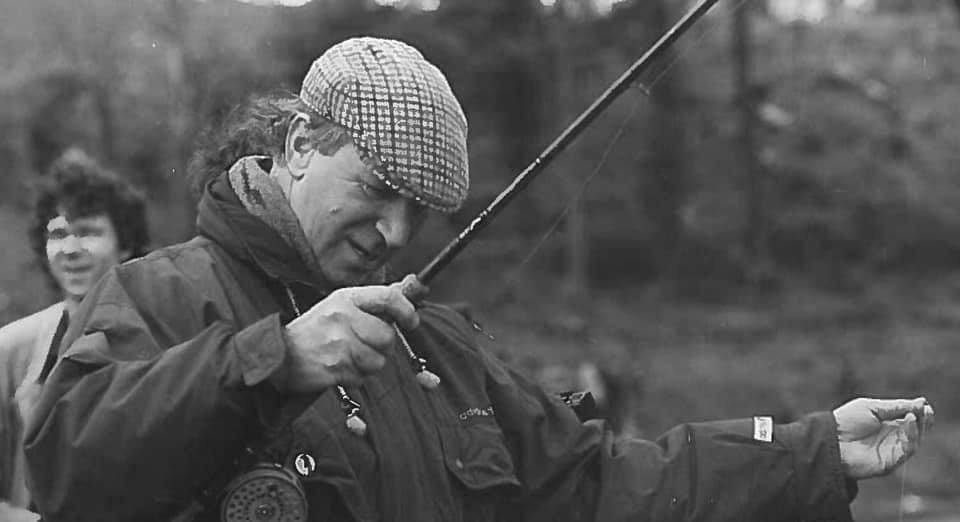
[(412, 288)]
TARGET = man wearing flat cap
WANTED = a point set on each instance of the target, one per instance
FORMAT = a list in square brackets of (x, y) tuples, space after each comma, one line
[(266, 370)]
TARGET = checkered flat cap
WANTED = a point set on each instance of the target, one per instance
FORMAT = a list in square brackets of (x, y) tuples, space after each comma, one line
[(400, 112)]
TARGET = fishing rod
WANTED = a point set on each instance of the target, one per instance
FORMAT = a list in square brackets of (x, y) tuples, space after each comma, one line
[(535, 168)]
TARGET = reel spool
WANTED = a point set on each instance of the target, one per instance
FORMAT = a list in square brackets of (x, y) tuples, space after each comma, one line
[(266, 493)]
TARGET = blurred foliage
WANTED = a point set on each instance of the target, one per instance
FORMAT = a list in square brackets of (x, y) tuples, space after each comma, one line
[(858, 110), (858, 118)]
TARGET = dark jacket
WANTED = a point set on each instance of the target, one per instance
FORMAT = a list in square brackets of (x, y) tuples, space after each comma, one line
[(168, 372)]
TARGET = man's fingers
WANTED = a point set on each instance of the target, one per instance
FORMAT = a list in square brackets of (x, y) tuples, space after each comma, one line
[(910, 426), (909, 440), (926, 419), (387, 302), (367, 360), (373, 332), (894, 409)]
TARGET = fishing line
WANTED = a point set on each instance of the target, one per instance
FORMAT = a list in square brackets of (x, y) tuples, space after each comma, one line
[(646, 88), (921, 422), (564, 139), (689, 47), (514, 274), (903, 488)]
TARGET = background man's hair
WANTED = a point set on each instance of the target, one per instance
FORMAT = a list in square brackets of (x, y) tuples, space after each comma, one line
[(259, 127), (78, 186)]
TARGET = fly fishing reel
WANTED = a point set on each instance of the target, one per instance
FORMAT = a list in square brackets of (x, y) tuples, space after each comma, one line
[(266, 493)]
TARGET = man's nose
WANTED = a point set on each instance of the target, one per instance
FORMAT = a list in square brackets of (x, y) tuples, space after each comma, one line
[(72, 244), (397, 222)]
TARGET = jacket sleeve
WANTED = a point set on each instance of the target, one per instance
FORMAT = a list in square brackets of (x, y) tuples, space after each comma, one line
[(16, 342), (713, 471), (156, 391), (9, 420)]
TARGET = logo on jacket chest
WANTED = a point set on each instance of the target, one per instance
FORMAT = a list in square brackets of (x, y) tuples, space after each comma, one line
[(485, 411)]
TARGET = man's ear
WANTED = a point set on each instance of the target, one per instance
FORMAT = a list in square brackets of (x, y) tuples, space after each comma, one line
[(297, 149)]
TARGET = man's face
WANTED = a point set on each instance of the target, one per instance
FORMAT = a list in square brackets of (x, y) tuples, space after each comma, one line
[(354, 222), (81, 250)]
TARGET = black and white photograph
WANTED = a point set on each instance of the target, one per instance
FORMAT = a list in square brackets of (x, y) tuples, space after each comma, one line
[(480, 261)]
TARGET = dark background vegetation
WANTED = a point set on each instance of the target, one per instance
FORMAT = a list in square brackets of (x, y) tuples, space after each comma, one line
[(774, 231)]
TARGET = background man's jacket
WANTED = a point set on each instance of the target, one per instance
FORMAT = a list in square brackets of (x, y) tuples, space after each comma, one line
[(24, 345)]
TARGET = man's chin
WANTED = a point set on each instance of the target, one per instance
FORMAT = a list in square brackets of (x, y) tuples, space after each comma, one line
[(76, 292)]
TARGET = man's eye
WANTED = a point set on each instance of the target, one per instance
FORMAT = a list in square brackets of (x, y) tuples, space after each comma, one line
[(56, 235), (89, 232)]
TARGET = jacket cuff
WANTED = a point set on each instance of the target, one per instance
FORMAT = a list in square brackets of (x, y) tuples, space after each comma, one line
[(820, 486), (262, 351)]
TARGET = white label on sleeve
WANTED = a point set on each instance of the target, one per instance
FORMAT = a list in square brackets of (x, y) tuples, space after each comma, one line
[(763, 429)]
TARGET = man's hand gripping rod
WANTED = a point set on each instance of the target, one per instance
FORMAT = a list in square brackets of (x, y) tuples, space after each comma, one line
[(561, 142)]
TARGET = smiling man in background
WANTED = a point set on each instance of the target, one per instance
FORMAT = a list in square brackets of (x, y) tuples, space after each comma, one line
[(85, 221)]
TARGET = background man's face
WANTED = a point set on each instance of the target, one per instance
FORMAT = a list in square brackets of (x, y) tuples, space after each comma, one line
[(354, 222), (80, 251)]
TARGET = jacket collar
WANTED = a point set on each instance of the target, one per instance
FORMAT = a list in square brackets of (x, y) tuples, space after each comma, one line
[(222, 217)]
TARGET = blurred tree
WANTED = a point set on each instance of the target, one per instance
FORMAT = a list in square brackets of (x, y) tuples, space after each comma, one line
[(52, 125), (135, 80), (131, 82), (664, 187), (86, 61), (171, 23), (564, 95), (498, 58), (746, 97), (507, 73)]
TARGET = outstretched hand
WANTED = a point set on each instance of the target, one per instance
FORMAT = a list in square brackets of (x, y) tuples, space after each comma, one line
[(876, 436)]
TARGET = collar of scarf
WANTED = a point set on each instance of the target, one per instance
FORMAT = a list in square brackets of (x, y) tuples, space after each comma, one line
[(263, 198)]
